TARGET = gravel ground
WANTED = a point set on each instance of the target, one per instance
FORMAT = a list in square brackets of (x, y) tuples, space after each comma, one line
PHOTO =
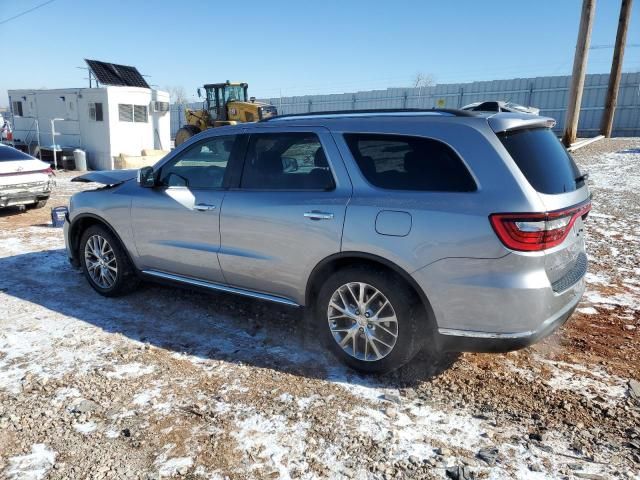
[(167, 382)]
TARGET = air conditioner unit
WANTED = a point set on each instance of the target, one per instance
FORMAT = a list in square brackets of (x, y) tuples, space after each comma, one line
[(160, 106)]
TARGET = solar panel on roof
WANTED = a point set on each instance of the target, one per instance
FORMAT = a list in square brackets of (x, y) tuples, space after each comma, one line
[(114, 74)]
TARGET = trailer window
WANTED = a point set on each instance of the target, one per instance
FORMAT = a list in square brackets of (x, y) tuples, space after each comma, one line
[(125, 112), (140, 114), (95, 111), (133, 113), (17, 109)]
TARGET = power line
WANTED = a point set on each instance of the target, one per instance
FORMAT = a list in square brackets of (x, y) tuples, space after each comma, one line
[(26, 11), (599, 47)]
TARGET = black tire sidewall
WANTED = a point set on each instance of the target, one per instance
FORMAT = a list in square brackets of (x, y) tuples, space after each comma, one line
[(192, 130), (412, 321), (122, 262), (38, 204)]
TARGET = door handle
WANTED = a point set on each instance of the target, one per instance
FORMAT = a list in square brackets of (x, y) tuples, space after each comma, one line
[(204, 207), (316, 215)]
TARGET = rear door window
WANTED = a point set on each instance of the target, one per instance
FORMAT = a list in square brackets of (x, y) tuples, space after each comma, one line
[(397, 162), (543, 160), (286, 161)]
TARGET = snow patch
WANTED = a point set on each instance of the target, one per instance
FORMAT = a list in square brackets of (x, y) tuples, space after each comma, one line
[(147, 396), (170, 466), (33, 466), (588, 310), (85, 428), (173, 466), (272, 443), (130, 370), (590, 382)]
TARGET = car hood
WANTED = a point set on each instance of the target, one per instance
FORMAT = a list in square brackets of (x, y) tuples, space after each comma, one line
[(107, 177)]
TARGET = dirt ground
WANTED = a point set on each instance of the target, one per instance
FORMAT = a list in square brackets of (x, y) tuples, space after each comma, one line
[(167, 382)]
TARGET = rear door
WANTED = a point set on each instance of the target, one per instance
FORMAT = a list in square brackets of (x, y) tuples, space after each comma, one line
[(551, 171), (177, 224), (287, 211)]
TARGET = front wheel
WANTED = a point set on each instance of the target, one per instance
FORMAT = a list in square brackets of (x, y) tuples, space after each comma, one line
[(185, 133), (105, 263), (370, 319)]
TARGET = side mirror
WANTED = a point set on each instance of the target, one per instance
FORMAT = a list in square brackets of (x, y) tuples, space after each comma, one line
[(199, 94), (146, 177)]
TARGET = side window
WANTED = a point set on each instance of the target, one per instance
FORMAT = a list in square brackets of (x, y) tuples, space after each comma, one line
[(95, 111), (140, 114), (397, 162), (17, 108), (286, 161), (132, 113), (125, 112), (202, 165)]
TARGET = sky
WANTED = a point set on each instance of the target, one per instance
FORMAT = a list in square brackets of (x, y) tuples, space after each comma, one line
[(284, 47)]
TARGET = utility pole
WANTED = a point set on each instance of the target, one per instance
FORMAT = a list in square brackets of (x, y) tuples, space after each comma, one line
[(579, 69), (616, 69)]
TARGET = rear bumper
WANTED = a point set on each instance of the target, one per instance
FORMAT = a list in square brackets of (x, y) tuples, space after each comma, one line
[(470, 341), (497, 305), (22, 198), (25, 193)]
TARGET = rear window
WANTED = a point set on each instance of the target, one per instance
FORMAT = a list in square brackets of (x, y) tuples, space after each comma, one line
[(543, 160), (397, 162), (10, 153)]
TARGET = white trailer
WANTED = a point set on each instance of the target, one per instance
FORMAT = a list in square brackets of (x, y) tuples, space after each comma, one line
[(106, 122)]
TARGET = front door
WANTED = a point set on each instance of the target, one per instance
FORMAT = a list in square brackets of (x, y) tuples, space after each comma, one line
[(176, 225), (287, 214)]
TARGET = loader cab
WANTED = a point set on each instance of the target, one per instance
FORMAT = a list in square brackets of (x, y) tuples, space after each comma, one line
[(218, 95)]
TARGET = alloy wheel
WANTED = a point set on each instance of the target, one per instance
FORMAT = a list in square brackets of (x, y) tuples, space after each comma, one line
[(362, 321), (100, 261)]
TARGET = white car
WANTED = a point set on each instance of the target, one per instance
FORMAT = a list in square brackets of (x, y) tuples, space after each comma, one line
[(24, 180), (499, 106)]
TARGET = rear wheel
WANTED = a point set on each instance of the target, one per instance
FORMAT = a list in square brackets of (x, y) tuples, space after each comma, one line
[(185, 133), (370, 319), (105, 263), (38, 204)]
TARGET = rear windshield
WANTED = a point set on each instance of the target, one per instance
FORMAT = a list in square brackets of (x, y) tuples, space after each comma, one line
[(543, 160), (10, 153)]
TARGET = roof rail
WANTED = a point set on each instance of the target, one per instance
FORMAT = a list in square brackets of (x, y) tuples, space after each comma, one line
[(450, 111)]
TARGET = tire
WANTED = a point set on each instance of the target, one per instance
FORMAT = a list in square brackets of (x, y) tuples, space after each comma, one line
[(185, 133), (112, 283), (411, 327), (38, 204)]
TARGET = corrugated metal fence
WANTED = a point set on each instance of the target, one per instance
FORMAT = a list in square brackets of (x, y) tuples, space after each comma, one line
[(547, 93)]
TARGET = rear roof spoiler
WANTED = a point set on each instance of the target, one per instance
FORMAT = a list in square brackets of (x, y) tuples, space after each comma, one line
[(503, 122)]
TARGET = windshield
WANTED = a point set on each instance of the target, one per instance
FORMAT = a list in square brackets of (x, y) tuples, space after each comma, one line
[(228, 93), (235, 92)]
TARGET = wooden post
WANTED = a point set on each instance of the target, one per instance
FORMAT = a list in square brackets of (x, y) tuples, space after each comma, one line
[(616, 69), (579, 69)]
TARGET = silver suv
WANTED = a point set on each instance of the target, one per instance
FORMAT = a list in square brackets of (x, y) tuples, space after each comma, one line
[(396, 229)]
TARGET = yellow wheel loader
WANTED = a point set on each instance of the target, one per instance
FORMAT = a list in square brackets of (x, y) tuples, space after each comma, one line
[(225, 104)]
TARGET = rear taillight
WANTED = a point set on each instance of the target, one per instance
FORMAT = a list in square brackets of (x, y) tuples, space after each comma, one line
[(529, 232)]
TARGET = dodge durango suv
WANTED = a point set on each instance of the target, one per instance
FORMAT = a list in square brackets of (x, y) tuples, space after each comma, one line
[(397, 230)]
